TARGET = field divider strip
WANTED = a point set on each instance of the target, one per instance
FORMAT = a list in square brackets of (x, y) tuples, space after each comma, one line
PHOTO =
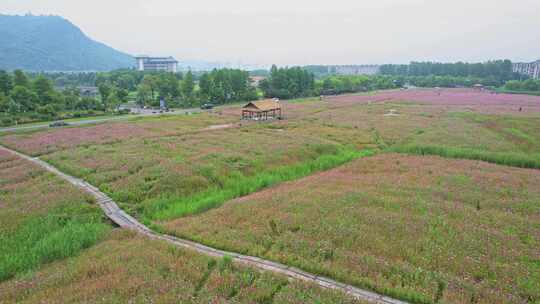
[(124, 220)]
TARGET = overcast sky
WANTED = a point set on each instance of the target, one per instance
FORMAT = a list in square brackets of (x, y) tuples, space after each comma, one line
[(291, 32)]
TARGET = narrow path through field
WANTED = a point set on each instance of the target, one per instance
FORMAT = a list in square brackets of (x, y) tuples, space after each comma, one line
[(124, 220)]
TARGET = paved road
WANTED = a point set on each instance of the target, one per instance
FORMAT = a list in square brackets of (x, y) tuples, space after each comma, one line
[(143, 113), (126, 221)]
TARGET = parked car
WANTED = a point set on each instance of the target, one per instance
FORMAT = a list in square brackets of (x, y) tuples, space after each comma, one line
[(207, 106), (58, 124)]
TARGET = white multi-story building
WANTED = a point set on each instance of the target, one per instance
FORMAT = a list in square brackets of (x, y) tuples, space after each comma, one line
[(165, 64), (366, 69), (530, 69)]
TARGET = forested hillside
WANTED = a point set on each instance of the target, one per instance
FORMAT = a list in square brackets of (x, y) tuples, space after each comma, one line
[(52, 43)]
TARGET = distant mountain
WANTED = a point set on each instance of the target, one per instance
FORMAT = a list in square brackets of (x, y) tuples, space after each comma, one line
[(52, 43)]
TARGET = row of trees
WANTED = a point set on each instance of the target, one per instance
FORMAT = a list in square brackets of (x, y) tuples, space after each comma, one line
[(529, 85), (225, 86), (20, 94), (288, 83), (498, 70), (178, 89), (353, 83), (444, 81)]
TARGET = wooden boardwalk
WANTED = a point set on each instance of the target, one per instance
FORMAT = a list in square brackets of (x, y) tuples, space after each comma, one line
[(124, 220)]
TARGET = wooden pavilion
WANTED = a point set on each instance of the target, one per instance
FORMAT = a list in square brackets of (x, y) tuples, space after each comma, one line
[(262, 110)]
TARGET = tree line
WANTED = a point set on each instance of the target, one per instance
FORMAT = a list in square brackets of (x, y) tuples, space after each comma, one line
[(498, 71), (288, 83), (529, 85), (26, 99), (36, 96)]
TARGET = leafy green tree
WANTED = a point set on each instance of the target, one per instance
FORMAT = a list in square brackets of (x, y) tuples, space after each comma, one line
[(126, 82), (44, 89), (530, 85), (12, 107), (151, 81), (144, 94), (71, 96), (122, 95), (87, 103), (205, 86), (168, 86), (113, 101), (20, 79), (187, 87), (104, 91), (288, 83), (4, 102), (50, 110), (513, 85), (24, 98), (6, 84)]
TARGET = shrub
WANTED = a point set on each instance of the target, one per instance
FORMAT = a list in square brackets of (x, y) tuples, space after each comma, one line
[(7, 121)]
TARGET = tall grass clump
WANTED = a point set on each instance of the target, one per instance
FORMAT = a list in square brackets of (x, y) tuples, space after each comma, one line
[(514, 159), (62, 233), (238, 185)]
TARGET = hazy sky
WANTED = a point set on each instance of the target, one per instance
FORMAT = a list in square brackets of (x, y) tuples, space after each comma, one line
[(306, 31)]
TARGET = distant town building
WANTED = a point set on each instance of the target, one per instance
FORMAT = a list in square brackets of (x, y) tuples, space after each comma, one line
[(368, 69), (165, 64), (84, 91), (91, 92), (530, 69), (255, 80)]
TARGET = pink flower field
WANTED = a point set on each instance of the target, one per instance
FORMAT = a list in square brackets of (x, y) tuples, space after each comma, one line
[(481, 101)]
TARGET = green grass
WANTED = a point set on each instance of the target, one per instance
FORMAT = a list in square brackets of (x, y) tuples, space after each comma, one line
[(502, 90), (238, 185), (129, 268), (62, 233), (514, 159), (414, 228)]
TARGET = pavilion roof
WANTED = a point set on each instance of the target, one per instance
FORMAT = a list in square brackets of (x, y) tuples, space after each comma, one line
[(263, 105)]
